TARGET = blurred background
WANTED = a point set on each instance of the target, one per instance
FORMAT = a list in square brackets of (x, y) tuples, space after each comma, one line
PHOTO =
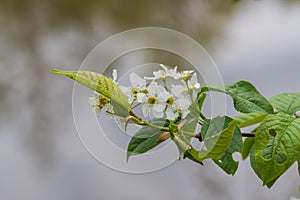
[(41, 154)]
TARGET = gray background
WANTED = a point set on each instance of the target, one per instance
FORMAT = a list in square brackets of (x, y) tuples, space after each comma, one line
[(41, 154)]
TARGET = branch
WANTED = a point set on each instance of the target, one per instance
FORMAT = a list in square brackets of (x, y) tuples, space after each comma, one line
[(198, 135)]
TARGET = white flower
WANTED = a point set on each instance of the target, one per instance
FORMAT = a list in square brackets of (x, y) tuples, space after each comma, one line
[(193, 82), (183, 104), (137, 85), (98, 102), (177, 103), (185, 75), (164, 74), (155, 100), (94, 101)]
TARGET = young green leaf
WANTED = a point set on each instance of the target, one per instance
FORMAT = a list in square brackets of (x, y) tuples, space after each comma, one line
[(146, 138), (249, 119), (247, 99), (287, 102), (226, 162), (103, 85), (217, 135), (277, 143), (247, 145)]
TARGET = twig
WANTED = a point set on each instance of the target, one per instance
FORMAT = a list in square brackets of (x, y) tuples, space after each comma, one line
[(199, 136)]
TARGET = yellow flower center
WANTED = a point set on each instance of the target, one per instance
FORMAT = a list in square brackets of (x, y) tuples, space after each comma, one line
[(152, 100), (186, 75), (134, 91), (102, 102), (145, 91), (170, 101)]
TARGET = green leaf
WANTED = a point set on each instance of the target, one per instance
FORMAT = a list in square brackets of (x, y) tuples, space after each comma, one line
[(249, 119), (253, 161), (193, 155), (103, 85), (201, 100), (277, 143), (287, 102), (217, 135), (226, 162), (247, 99), (247, 145), (146, 138), (256, 169)]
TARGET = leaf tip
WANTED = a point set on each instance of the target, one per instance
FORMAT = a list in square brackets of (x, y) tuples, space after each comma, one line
[(127, 156), (56, 71), (69, 74)]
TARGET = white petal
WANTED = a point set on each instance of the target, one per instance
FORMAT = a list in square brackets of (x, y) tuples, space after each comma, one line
[(93, 101), (188, 71), (177, 89), (185, 113), (157, 114), (97, 110), (162, 97), (159, 107), (145, 110), (194, 79), (160, 89), (115, 75), (158, 74), (149, 78), (164, 67), (171, 115), (141, 97), (173, 73), (153, 88), (125, 90), (136, 81), (183, 103), (193, 83), (197, 86)]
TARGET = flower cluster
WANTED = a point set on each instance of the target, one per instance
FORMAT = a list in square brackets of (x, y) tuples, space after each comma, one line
[(157, 98)]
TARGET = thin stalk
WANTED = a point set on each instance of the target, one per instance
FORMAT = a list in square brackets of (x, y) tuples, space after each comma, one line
[(199, 136), (202, 115), (155, 126), (165, 84), (135, 106)]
